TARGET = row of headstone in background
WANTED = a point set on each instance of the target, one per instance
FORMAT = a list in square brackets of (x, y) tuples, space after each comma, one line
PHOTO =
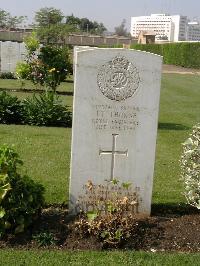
[(10, 54)]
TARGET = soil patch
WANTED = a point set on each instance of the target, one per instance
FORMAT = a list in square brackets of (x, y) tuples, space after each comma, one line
[(170, 228)]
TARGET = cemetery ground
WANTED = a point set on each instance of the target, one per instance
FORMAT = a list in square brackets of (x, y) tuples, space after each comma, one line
[(173, 226)]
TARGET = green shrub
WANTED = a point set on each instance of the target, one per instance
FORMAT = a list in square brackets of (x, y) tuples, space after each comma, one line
[(20, 197), (108, 212), (180, 54), (153, 48), (44, 239), (57, 58), (45, 110), (10, 109), (46, 66), (7, 75), (190, 166), (22, 70)]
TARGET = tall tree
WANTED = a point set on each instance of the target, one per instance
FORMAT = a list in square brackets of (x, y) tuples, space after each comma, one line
[(50, 27), (54, 33), (14, 22), (4, 15), (85, 25), (121, 29), (47, 16), (72, 20), (7, 21)]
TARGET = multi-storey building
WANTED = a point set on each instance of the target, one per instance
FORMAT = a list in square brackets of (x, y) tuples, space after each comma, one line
[(180, 27), (171, 28), (193, 31)]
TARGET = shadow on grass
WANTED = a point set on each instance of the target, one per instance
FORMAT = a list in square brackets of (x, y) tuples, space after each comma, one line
[(173, 209), (172, 126), (69, 93)]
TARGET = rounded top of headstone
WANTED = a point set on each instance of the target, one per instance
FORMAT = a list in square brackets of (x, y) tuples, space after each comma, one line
[(118, 79)]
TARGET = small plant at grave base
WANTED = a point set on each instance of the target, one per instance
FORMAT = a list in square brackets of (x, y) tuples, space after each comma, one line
[(190, 167), (44, 239), (20, 197), (108, 212)]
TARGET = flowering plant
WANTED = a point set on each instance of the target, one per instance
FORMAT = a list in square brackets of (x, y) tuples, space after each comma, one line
[(45, 66), (190, 167)]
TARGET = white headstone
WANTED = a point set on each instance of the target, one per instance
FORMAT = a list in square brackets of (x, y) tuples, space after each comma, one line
[(10, 54), (115, 113)]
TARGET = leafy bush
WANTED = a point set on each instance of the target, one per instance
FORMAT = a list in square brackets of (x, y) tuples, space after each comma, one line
[(7, 75), (152, 48), (180, 54), (22, 70), (190, 166), (46, 66), (44, 239), (10, 109), (45, 110), (20, 197), (108, 212), (32, 44), (57, 58)]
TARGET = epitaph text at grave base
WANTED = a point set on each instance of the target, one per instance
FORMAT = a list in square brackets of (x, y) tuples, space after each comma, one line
[(115, 116)]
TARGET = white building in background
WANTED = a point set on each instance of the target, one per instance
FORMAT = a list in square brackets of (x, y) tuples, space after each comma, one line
[(180, 27), (193, 31), (171, 28)]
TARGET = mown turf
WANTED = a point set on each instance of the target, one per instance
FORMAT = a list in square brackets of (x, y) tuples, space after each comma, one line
[(66, 99), (17, 84), (179, 111), (46, 151), (46, 155), (51, 258)]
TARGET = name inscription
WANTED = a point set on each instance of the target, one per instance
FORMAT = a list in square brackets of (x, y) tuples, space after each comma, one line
[(121, 118)]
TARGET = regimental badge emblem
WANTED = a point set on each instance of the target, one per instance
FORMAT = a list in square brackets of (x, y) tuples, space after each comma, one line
[(118, 79)]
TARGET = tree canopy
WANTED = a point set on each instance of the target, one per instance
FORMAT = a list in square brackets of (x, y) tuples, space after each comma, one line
[(121, 29), (48, 16), (85, 25), (52, 25), (7, 21)]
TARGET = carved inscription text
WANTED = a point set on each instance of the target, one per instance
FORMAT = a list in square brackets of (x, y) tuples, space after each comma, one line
[(119, 118)]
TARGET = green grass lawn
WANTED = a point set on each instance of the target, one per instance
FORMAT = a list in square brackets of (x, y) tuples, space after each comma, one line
[(67, 100), (46, 150), (16, 84), (179, 111), (46, 155), (52, 258)]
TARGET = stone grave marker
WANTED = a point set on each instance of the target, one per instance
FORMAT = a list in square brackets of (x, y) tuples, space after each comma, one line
[(115, 116), (10, 54)]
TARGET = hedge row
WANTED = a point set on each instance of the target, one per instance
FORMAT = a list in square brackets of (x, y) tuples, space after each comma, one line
[(180, 54)]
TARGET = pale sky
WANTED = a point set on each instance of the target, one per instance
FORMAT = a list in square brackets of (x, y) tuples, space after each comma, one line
[(109, 12)]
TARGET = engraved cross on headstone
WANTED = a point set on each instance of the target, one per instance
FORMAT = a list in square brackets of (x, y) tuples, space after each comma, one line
[(113, 152)]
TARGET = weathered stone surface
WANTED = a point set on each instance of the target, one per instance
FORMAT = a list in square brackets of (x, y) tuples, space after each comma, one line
[(10, 54), (116, 102)]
